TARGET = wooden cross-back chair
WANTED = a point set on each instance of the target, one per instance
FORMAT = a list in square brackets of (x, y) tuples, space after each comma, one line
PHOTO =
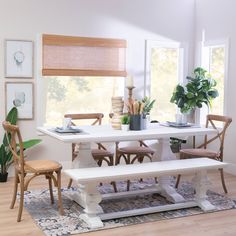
[(33, 167), (132, 154), (99, 154), (203, 151)]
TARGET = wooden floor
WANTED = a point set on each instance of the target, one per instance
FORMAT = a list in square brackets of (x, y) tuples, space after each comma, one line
[(211, 224)]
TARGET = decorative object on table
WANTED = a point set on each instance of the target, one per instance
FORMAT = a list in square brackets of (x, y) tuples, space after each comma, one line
[(148, 105), (18, 58), (125, 122), (20, 95), (139, 110), (53, 224), (67, 122), (5, 154), (130, 87), (199, 90), (117, 108), (130, 93), (136, 122)]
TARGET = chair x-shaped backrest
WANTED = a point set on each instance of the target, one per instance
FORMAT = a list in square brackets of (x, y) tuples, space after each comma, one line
[(16, 148), (212, 121), (97, 117)]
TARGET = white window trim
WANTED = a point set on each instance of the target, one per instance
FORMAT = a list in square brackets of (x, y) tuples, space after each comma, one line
[(215, 43), (149, 44)]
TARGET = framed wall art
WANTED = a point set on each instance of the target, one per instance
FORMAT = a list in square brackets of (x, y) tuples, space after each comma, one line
[(18, 58), (20, 95)]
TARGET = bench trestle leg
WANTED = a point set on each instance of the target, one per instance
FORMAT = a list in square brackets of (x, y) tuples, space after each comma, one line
[(201, 183), (90, 199)]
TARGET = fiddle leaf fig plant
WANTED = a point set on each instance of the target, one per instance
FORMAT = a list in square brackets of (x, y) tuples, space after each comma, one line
[(200, 89), (5, 154)]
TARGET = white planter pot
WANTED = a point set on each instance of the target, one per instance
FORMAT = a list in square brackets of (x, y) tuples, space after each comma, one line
[(125, 127)]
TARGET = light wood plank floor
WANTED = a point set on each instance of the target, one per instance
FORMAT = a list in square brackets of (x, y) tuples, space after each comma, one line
[(211, 224)]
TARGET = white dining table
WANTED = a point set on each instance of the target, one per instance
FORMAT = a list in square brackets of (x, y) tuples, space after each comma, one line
[(105, 133)]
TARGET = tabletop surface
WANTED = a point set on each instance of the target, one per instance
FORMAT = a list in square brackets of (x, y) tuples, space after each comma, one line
[(105, 133)]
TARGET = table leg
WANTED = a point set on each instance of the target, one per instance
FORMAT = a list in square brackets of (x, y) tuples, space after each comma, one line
[(84, 157), (164, 182)]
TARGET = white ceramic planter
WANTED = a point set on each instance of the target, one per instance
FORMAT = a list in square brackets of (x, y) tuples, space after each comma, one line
[(125, 127)]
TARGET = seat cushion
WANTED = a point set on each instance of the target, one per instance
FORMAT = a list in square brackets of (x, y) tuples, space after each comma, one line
[(99, 153), (42, 166), (136, 150), (198, 152)]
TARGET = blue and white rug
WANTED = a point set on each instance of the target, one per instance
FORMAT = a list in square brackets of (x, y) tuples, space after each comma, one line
[(51, 223)]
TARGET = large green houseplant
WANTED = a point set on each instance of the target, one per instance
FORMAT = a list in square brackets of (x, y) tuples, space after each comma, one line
[(200, 89), (6, 158)]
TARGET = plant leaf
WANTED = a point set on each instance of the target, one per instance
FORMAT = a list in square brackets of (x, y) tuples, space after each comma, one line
[(30, 143), (12, 116)]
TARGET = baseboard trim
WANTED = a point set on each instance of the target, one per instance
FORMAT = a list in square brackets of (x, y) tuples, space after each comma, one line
[(231, 169)]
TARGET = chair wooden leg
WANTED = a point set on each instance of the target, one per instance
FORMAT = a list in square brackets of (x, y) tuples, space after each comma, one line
[(223, 180), (177, 181), (59, 192), (21, 198), (111, 161), (70, 183), (113, 183), (128, 185), (50, 190), (117, 159), (16, 181)]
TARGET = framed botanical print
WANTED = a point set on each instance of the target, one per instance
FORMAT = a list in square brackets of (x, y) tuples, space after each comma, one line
[(20, 95), (18, 58)]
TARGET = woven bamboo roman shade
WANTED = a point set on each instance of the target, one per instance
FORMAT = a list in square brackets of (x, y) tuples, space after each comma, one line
[(81, 56)]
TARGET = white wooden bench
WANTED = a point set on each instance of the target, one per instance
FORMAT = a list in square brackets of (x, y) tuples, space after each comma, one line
[(89, 178)]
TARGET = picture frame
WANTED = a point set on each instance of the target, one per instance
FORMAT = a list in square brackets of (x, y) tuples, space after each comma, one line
[(18, 58), (20, 95)]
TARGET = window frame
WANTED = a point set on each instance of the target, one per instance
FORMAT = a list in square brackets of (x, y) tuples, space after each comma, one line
[(182, 63), (205, 50)]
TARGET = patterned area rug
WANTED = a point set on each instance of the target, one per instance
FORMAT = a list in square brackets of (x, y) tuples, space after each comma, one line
[(52, 224)]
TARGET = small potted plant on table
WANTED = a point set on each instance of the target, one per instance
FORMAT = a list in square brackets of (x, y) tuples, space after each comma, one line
[(125, 121)]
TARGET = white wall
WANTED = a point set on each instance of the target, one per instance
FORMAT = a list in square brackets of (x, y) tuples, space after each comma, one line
[(217, 18), (134, 20)]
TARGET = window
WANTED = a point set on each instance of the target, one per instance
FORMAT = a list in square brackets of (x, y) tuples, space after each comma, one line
[(80, 76), (164, 69), (79, 95), (214, 55)]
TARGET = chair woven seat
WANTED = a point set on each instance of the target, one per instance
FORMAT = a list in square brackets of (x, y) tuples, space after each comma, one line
[(100, 153), (199, 152), (136, 150), (42, 166)]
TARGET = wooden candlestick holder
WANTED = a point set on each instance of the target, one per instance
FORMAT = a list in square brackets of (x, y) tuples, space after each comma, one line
[(130, 93)]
